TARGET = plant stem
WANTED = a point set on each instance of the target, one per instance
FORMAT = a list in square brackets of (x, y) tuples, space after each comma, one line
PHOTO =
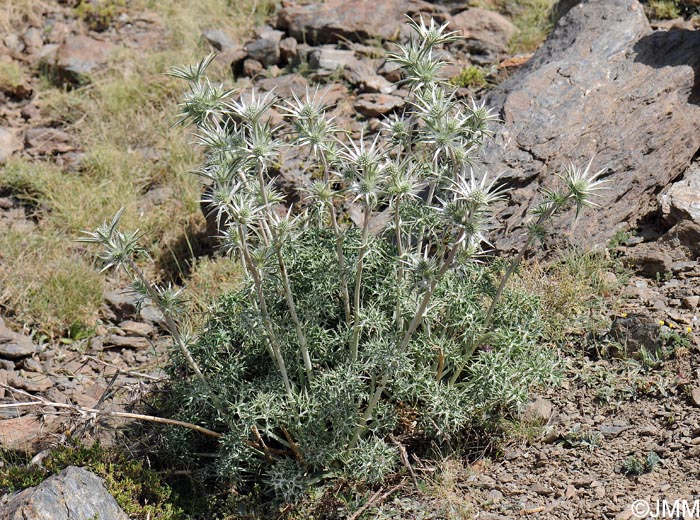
[(345, 293), (415, 322), (289, 296), (399, 268), (273, 346), (358, 285), (514, 264), (169, 322)]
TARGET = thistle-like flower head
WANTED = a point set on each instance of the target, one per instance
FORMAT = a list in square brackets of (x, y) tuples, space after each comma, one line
[(477, 195), (192, 73), (583, 185), (431, 35), (251, 108), (118, 247)]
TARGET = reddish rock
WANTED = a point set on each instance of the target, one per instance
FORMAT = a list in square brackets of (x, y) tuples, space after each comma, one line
[(285, 86), (48, 141), (489, 28), (681, 201), (375, 105), (78, 56), (30, 381), (28, 433), (355, 20), (14, 345)]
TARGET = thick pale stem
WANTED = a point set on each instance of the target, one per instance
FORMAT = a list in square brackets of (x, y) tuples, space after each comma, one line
[(273, 346), (415, 322), (289, 296), (514, 264), (428, 202), (399, 269), (172, 327), (344, 291), (357, 303), (169, 322)]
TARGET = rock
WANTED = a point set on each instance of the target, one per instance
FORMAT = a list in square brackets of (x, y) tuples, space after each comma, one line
[(375, 105), (122, 302), (78, 56), (13, 42), (561, 7), (695, 396), (624, 515), (326, 60), (252, 68), (14, 345), (73, 494), (32, 365), (234, 58), (595, 89), (264, 50), (354, 20), (681, 201), (613, 431), (538, 412), (10, 142), (636, 331), (47, 54), (686, 234), (288, 50), (650, 261), (691, 302), (33, 39), (286, 86), (48, 141), (151, 314), (137, 328), (136, 342), (28, 433), (391, 71), (485, 31), (219, 39), (541, 489), (362, 74), (32, 382)]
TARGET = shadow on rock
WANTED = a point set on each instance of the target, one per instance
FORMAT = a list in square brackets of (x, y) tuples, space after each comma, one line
[(674, 48)]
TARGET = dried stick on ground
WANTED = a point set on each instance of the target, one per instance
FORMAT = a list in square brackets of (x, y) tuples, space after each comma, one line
[(374, 500), (45, 403)]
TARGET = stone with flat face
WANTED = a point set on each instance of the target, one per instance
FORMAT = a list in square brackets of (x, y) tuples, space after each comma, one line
[(605, 87)]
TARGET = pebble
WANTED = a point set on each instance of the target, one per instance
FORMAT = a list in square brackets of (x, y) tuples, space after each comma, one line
[(542, 489)]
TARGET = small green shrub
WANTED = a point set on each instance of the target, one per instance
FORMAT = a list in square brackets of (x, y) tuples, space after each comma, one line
[(470, 77), (100, 14), (336, 330), (635, 466)]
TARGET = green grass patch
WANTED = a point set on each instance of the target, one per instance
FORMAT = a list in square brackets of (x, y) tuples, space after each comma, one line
[(11, 75), (531, 17), (470, 77)]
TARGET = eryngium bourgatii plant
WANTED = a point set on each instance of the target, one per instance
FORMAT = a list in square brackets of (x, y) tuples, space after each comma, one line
[(342, 335)]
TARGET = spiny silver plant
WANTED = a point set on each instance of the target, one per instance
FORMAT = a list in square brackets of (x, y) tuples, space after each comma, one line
[(338, 326)]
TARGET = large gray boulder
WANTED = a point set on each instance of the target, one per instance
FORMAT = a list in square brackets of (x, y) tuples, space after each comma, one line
[(603, 86), (354, 20), (73, 494)]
